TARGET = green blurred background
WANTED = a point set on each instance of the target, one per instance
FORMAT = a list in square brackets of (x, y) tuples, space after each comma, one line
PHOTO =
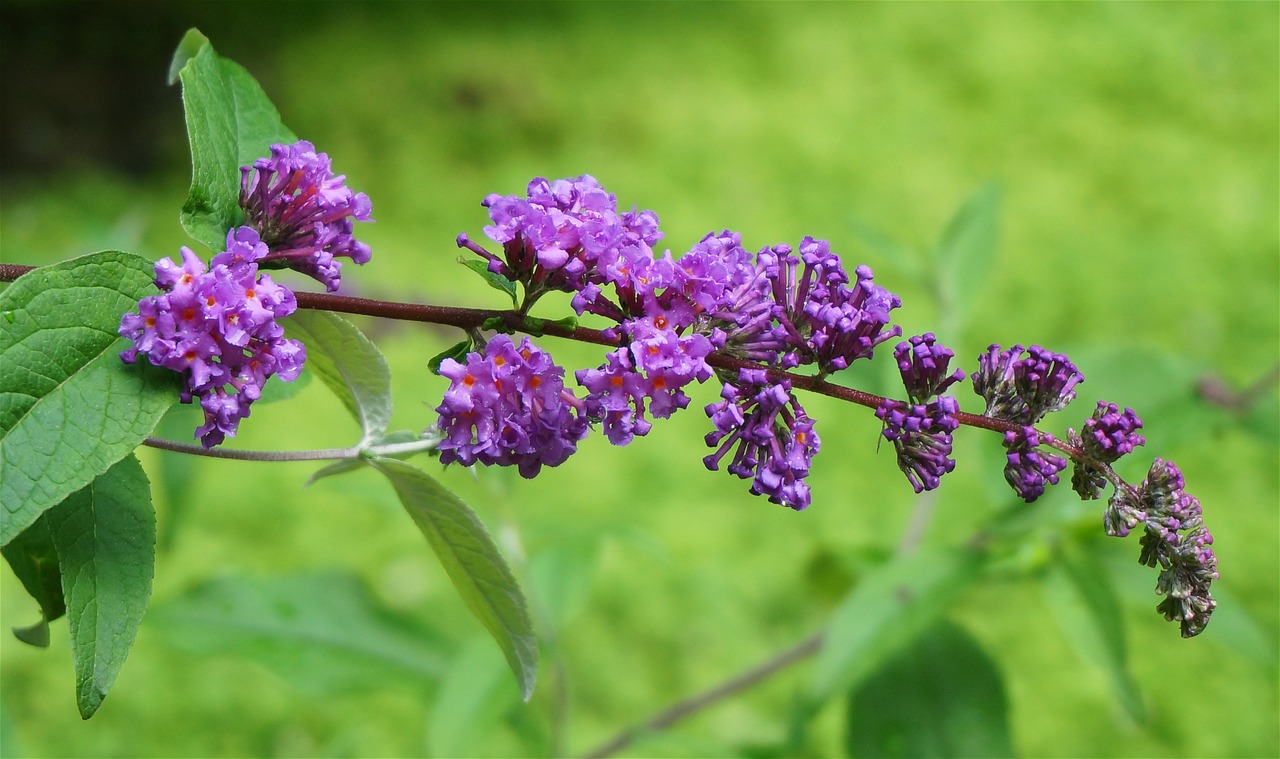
[(1135, 147)]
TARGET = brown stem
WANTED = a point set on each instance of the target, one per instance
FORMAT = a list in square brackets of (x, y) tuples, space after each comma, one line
[(690, 706)]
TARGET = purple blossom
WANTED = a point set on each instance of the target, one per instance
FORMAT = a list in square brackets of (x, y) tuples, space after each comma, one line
[(772, 437), (1023, 389), (1026, 469), (646, 374), (218, 329), (508, 405), (1177, 541), (921, 436), (567, 234), (304, 214), (923, 363), (822, 319), (1108, 435)]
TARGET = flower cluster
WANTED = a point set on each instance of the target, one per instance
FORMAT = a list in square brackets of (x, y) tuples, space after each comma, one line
[(218, 328), (1108, 435), (772, 437), (303, 213), (778, 308), (921, 430), (1175, 539), (508, 406)]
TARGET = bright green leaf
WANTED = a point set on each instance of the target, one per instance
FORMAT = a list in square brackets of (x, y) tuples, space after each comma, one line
[(472, 562), (230, 123), (964, 256), (324, 632), (348, 364), (69, 408), (34, 560), (105, 535), (1088, 612), (886, 611), (493, 279), (942, 696)]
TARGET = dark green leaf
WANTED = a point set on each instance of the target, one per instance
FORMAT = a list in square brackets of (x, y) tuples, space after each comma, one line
[(494, 280), (348, 364), (230, 123), (1088, 613), (964, 255), (886, 611), (324, 632), (105, 535), (69, 408), (34, 560), (941, 697), (472, 562), (458, 352)]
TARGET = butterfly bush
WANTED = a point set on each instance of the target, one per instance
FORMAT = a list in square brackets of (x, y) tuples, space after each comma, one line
[(216, 325), (749, 320)]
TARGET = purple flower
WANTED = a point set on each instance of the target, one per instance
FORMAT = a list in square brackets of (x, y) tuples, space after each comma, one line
[(218, 329), (923, 363), (822, 318), (646, 374), (506, 406), (304, 214), (1026, 469), (1108, 435), (568, 234), (921, 436), (772, 437), (1023, 389), (1177, 541)]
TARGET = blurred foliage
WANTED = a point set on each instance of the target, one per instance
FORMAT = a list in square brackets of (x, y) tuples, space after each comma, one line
[(1135, 147)]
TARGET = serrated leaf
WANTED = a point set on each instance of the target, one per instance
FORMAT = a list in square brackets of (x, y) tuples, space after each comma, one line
[(230, 123), (964, 254), (69, 408), (493, 279), (886, 611), (458, 352), (472, 562), (943, 696), (348, 364), (105, 536), (1085, 605), (34, 560), (323, 631)]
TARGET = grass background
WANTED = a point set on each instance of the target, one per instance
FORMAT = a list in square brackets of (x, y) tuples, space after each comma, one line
[(1136, 148)]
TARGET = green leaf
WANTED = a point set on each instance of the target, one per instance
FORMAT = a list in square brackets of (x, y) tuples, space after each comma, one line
[(941, 697), (471, 700), (964, 254), (1084, 602), (323, 631), (34, 560), (458, 352), (886, 611), (105, 536), (493, 279), (349, 364), (230, 123), (69, 408), (472, 562)]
